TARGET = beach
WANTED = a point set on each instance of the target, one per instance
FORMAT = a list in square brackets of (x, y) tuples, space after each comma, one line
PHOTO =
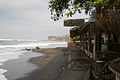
[(49, 66), (59, 63), (16, 57)]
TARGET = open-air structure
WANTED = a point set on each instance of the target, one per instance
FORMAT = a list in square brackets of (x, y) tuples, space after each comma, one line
[(100, 39)]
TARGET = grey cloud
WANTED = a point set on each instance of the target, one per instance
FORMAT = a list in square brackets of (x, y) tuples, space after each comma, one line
[(8, 15), (28, 19)]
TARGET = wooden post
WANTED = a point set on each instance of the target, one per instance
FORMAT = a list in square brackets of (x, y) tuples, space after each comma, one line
[(98, 42), (86, 41), (116, 40), (94, 47), (109, 42), (81, 41), (89, 42)]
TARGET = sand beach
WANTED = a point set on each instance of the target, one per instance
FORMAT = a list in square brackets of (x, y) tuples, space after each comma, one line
[(50, 66), (47, 67)]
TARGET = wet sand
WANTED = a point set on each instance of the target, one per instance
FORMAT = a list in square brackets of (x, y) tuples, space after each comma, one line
[(50, 66), (17, 68)]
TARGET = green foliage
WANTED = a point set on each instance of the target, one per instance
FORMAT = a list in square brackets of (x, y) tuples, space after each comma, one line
[(70, 7), (98, 2), (57, 7), (76, 38)]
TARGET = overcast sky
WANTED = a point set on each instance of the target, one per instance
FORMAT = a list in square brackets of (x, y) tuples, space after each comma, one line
[(28, 19)]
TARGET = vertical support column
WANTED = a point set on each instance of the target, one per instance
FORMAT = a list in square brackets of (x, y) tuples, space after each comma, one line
[(89, 42), (86, 41), (81, 41), (116, 40), (94, 47), (98, 42), (109, 41)]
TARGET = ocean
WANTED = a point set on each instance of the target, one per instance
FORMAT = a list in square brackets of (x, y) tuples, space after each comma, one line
[(13, 49)]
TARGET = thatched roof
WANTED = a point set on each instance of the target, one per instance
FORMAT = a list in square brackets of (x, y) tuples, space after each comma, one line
[(74, 32), (74, 22), (107, 23), (85, 28)]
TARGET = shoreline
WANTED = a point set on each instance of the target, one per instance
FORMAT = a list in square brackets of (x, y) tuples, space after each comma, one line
[(19, 67), (50, 66), (50, 54)]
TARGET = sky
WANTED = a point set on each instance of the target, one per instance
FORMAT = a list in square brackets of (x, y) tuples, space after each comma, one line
[(29, 19)]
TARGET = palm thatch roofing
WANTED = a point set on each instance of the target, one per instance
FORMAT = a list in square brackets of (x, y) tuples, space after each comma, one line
[(74, 22), (75, 32), (107, 23), (90, 27), (84, 29)]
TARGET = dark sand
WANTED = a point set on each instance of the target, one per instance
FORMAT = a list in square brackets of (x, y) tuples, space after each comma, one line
[(18, 68), (50, 66)]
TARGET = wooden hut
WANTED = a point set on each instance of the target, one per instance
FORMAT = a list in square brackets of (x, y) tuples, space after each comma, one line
[(100, 38)]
